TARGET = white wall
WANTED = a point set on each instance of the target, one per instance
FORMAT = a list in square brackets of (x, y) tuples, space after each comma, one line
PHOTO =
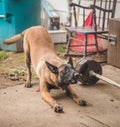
[(117, 14), (61, 6), (88, 2)]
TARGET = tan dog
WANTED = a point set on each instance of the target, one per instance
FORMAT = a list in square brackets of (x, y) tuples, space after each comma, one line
[(39, 49)]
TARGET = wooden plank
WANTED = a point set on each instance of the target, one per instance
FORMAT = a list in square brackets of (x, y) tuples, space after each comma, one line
[(114, 50)]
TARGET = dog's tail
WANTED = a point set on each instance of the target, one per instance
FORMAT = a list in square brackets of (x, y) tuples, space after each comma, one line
[(14, 39)]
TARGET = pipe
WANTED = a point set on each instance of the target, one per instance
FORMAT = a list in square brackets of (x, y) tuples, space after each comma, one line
[(92, 73)]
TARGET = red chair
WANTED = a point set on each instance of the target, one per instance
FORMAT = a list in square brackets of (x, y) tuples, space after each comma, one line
[(85, 39)]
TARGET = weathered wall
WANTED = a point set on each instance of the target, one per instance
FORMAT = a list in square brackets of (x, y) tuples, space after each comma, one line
[(61, 6)]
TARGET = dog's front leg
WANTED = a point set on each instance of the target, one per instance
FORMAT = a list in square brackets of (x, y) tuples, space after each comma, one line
[(70, 92), (47, 97)]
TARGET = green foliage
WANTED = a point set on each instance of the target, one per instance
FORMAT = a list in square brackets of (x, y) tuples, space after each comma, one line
[(21, 57), (3, 55), (61, 50), (19, 72)]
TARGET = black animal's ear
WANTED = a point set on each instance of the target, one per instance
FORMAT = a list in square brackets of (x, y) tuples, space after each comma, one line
[(52, 68), (70, 61)]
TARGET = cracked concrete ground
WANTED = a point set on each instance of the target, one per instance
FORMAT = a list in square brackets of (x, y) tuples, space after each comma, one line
[(21, 107)]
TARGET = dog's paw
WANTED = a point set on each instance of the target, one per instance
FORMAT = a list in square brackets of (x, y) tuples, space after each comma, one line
[(83, 103), (58, 109), (28, 85)]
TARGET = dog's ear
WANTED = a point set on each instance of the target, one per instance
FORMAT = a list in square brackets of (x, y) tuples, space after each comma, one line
[(70, 61), (52, 68)]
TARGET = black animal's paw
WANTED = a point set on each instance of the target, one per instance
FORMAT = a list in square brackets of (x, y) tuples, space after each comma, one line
[(28, 85), (83, 103), (58, 109)]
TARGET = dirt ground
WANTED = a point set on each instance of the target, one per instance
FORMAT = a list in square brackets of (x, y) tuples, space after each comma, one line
[(22, 107)]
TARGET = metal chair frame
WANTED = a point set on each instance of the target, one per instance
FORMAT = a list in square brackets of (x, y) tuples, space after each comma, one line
[(102, 10)]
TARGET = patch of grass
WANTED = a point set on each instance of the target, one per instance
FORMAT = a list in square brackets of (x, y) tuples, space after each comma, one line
[(61, 50), (2, 70), (19, 72), (3, 55), (21, 57)]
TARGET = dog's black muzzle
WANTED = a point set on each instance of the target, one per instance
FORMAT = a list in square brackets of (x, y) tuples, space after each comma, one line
[(76, 78), (71, 80), (68, 75)]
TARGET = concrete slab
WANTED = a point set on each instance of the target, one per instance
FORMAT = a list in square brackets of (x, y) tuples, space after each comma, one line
[(21, 107)]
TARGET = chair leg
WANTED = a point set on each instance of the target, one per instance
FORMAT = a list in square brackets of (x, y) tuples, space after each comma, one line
[(68, 44), (85, 46), (96, 43)]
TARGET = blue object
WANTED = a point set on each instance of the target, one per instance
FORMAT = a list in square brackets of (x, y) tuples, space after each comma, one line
[(16, 16), (51, 15), (49, 9)]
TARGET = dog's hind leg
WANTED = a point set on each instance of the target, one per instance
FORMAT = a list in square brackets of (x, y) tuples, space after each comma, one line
[(28, 65)]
